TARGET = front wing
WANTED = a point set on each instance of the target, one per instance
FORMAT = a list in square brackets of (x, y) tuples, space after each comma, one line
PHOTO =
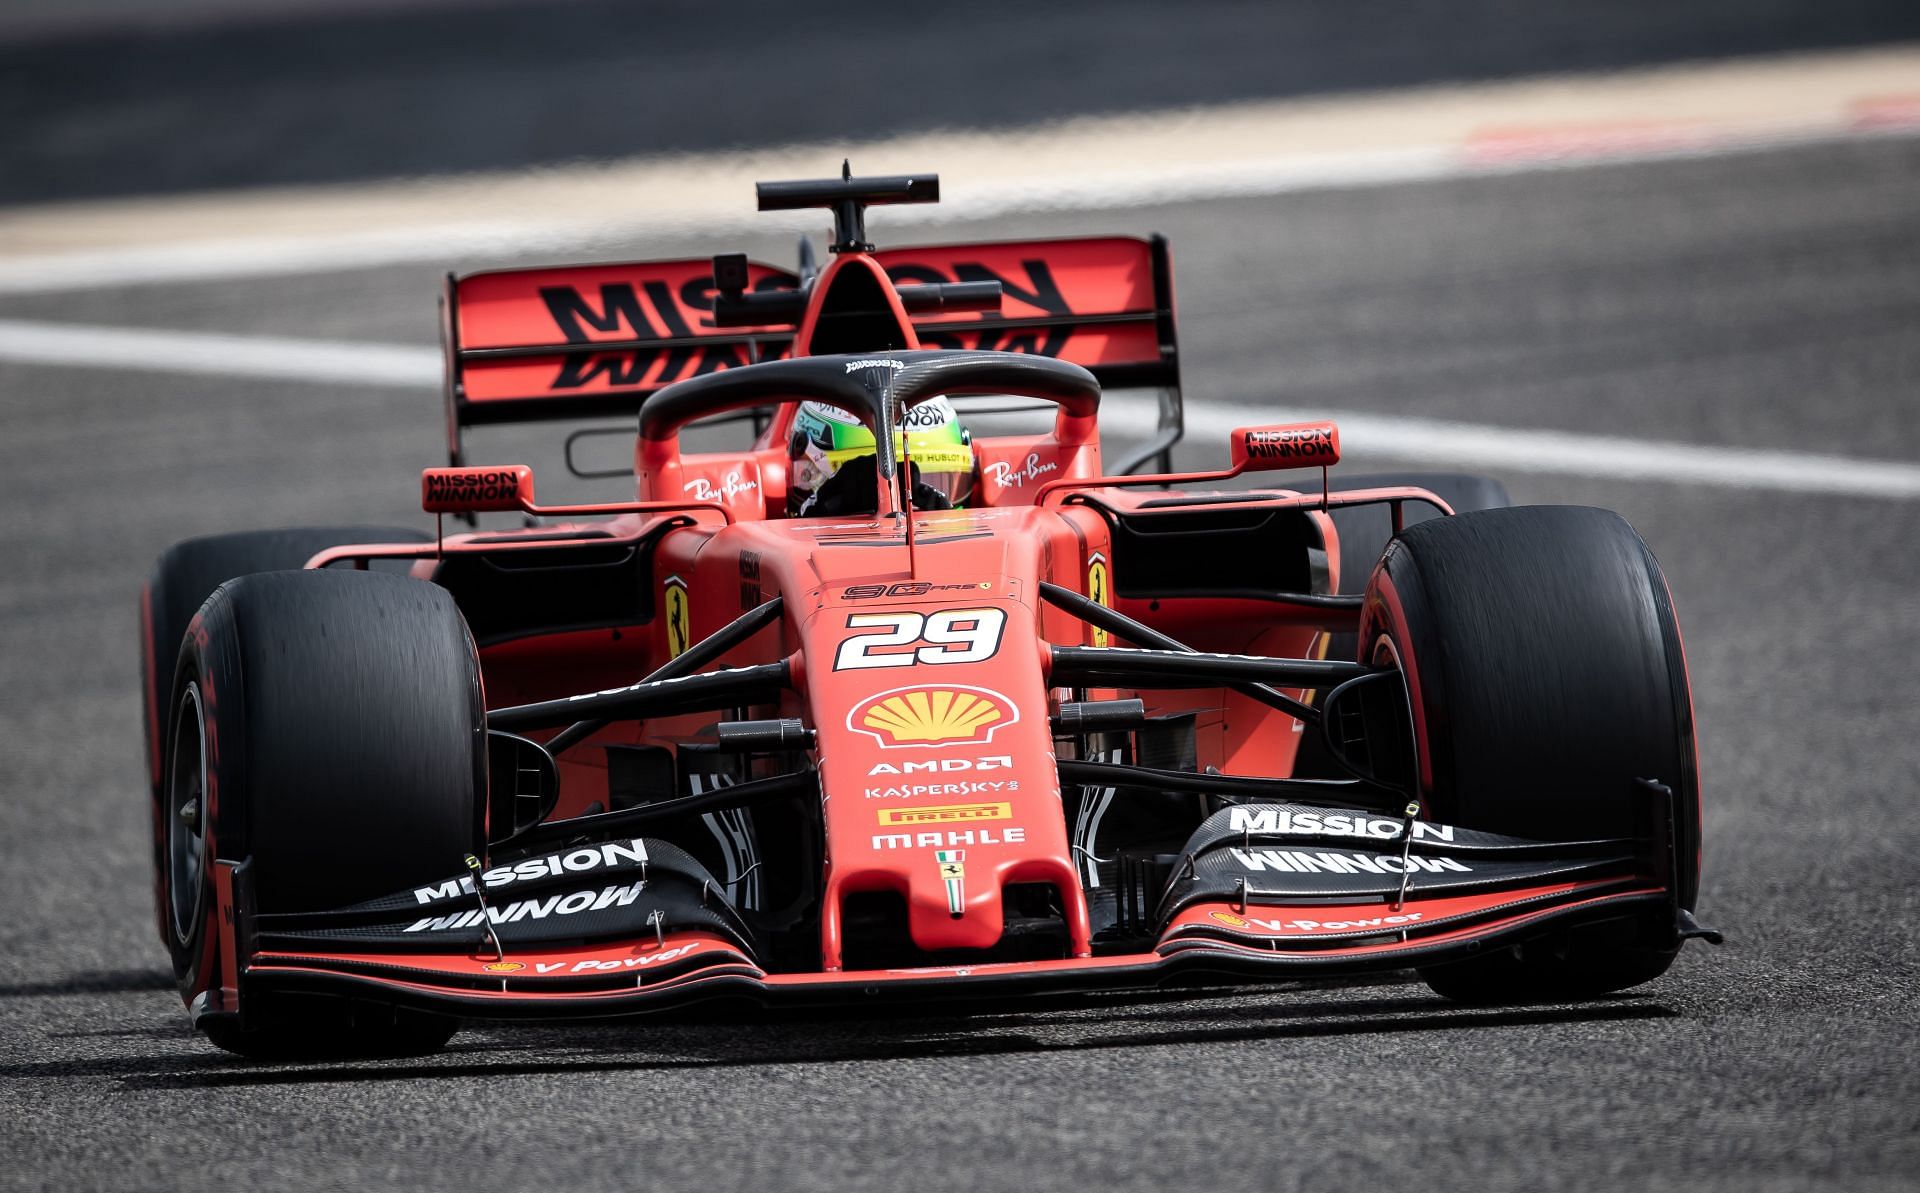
[(653, 934)]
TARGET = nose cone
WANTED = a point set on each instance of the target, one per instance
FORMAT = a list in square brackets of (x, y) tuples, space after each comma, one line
[(942, 913), (935, 753)]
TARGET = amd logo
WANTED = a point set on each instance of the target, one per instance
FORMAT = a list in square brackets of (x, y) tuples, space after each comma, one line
[(945, 765)]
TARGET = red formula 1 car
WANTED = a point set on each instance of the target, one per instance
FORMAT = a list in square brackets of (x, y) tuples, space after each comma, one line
[(873, 708)]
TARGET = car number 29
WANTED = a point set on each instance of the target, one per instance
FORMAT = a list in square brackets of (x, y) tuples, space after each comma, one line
[(944, 636)]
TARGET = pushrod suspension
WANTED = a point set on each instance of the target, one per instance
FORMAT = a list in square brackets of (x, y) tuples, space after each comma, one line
[(1115, 622), (699, 655)]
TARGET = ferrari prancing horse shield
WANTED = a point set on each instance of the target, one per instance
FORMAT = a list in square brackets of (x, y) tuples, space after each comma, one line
[(679, 629), (1097, 591)]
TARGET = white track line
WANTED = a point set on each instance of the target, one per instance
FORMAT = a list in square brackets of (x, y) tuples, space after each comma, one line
[(1474, 446), (1432, 442), (275, 256), (218, 355), (1091, 163), (466, 245)]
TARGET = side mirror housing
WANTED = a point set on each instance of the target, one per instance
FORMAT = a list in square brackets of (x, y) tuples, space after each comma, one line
[(501, 487), (1290, 445)]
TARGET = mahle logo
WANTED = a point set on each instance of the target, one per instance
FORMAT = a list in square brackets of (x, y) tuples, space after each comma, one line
[(933, 716)]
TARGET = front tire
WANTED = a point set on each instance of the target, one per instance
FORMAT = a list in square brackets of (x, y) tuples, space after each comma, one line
[(328, 728), (1545, 671), (1364, 531), (183, 578)]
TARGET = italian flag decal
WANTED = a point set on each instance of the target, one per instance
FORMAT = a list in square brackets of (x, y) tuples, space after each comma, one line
[(954, 872)]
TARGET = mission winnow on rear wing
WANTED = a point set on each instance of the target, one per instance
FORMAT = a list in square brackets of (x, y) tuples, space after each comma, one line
[(526, 345)]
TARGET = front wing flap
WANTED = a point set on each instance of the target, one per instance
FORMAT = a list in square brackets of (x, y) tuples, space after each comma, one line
[(1261, 891)]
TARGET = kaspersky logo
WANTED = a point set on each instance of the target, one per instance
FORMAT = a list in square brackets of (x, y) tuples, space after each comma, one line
[(942, 716)]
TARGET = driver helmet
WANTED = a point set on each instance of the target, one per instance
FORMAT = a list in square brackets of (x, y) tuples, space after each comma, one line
[(830, 456)]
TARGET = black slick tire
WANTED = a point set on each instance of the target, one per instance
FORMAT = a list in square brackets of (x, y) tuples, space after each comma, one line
[(1544, 665), (327, 729), (1364, 531), (183, 578)]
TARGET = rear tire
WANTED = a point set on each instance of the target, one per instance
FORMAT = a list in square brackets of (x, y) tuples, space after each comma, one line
[(328, 728), (1545, 669), (182, 580)]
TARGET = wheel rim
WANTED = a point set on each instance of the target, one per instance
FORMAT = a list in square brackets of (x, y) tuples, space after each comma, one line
[(1386, 654), (186, 816)]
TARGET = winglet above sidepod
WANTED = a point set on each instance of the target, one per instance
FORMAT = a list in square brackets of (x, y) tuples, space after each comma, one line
[(502, 487), (1292, 445)]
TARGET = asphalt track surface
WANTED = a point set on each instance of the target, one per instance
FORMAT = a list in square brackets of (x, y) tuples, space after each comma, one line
[(1767, 299)]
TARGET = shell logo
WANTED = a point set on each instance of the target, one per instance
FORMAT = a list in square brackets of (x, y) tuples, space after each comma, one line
[(1229, 919), (943, 716), (503, 967)]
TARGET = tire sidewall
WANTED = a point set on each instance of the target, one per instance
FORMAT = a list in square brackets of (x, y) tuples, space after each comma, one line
[(209, 662)]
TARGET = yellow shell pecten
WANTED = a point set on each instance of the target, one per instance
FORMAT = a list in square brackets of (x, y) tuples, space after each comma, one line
[(931, 714)]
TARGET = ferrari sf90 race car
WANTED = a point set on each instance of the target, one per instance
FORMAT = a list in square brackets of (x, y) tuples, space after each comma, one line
[(874, 707)]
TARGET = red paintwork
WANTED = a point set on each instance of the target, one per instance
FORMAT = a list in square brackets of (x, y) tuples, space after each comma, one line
[(644, 958), (509, 309), (1321, 921), (1495, 925), (1106, 279), (618, 529), (1106, 275), (887, 711), (1319, 448), (1382, 592)]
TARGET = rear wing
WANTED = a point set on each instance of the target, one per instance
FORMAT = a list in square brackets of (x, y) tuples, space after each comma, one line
[(593, 341)]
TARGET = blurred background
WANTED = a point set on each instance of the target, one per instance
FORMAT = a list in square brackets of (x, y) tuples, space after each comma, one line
[(1370, 203), (143, 97), (1659, 257)]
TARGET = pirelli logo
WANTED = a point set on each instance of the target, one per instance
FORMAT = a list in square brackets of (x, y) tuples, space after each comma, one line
[(951, 814)]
